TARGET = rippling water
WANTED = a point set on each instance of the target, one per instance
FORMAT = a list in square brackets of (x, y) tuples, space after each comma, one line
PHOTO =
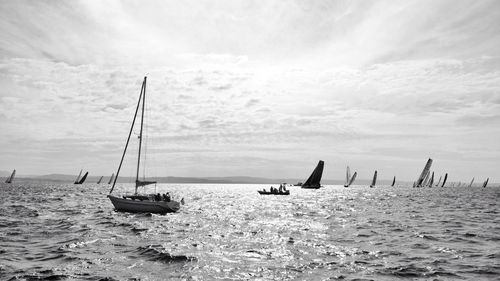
[(69, 232)]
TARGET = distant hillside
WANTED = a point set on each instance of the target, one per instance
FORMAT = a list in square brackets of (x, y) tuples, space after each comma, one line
[(223, 180)]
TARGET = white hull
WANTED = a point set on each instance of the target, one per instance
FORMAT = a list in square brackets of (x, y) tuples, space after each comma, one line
[(146, 206)]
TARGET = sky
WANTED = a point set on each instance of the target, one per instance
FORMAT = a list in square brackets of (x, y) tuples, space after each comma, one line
[(254, 88)]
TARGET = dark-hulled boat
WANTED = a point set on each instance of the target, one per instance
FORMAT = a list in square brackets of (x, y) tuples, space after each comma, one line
[(274, 193), (138, 203)]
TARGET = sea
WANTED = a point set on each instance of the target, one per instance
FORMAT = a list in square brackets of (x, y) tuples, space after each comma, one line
[(229, 232)]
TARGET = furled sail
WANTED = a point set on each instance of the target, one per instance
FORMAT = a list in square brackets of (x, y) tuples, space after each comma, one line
[(374, 180), (11, 178), (78, 178), (315, 178), (444, 180), (425, 172), (139, 183)]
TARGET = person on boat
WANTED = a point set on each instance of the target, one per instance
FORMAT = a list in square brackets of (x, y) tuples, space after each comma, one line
[(280, 189), (158, 197), (264, 189), (167, 196)]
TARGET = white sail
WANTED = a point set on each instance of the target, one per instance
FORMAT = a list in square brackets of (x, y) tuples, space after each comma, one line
[(11, 178), (78, 178), (353, 178)]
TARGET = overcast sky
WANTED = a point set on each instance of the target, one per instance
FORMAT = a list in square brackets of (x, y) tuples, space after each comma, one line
[(257, 88)]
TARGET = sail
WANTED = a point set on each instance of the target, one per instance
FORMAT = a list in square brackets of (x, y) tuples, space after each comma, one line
[(83, 178), (440, 177), (78, 178), (486, 182), (471, 182), (99, 181), (426, 179), (111, 178), (315, 178), (393, 181), (139, 183), (445, 178), (374, 180), (347, 176), (11, 178), (424, 173), (431, 181), (353, 178)]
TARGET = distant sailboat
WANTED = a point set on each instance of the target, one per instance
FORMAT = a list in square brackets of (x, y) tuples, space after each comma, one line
[(424, 174), (444, 180), (99, 181), (82, 180), (426, 179), (353, 178), (11, 178), (374, 180), (431, 181), (315, 178), (471, 182), (393, 181), (440, 177), (111, 178), (78, 178), (347, 177), (486, 182), (139, 203)]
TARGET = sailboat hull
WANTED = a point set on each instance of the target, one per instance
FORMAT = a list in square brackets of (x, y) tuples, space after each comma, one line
[(146, 206)]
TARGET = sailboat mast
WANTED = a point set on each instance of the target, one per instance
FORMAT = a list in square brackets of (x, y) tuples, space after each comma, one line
[(140, 136), (130, 133)]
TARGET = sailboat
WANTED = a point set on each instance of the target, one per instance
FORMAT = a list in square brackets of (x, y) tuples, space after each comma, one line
[(431, 181), (486, 182), (347, 177), (471, 182), (440, 178), (78, 178), (445, 178), (138, 203), (82, 180), (353, 178), (393, 181), (11, 178), (111, 178), (374, 180), (100, 179), (424, 174), (315, 178)]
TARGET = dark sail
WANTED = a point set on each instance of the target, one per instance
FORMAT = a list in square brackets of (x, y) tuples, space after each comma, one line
[(486, 182), (445, 178), (393, 181), (424, 173), (314, 180), (83, 178), (374, 181), (471, 182), (99, 181), (111, 178)]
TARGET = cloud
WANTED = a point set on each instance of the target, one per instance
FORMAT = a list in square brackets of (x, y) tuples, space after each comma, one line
[(372, 83)]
